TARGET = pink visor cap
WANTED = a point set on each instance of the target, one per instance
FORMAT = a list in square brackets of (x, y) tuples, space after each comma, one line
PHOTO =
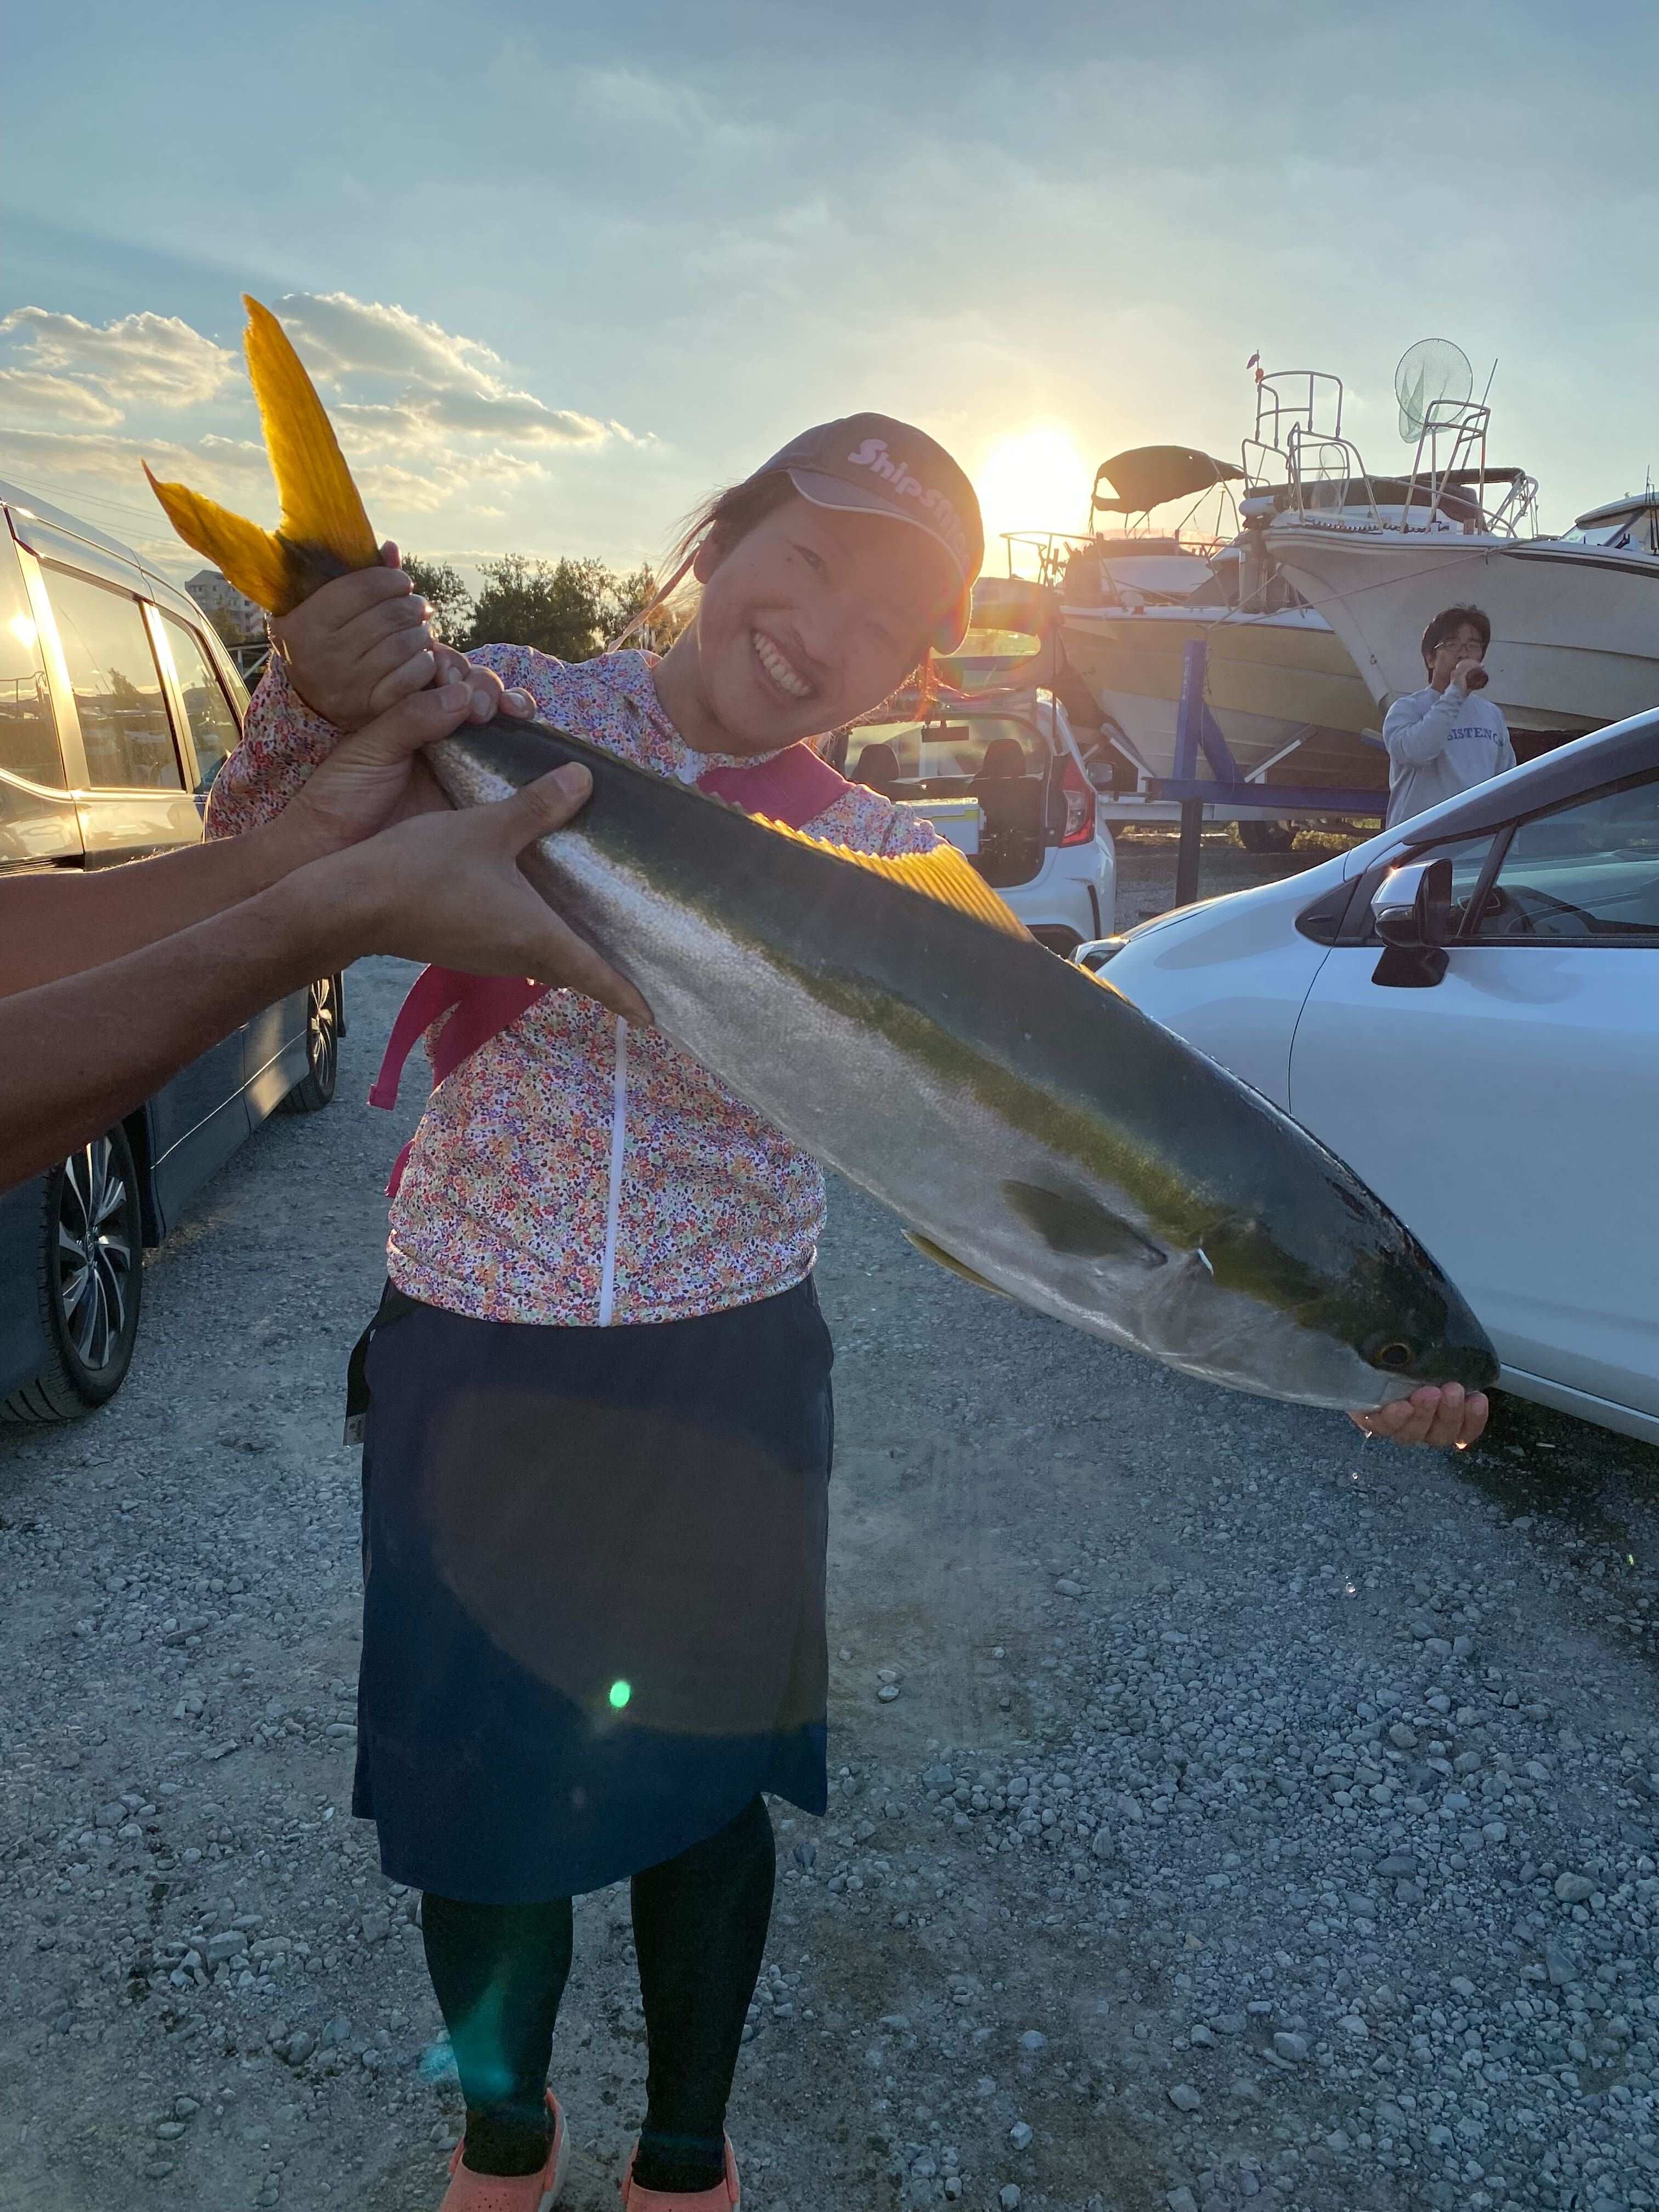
[(874, 465)]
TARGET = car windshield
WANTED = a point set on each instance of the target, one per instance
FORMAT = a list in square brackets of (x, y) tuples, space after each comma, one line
[(945, 750)]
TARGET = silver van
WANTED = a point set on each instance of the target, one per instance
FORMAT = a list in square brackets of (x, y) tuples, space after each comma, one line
[(118, 706)]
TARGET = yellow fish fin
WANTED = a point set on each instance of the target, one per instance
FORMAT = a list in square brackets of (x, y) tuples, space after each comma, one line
[(929, 1251), (324, 530), (254, 561), (942, 874), (321, 505)]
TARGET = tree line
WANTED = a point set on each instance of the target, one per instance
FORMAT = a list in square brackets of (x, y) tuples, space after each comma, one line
[(570, 609)]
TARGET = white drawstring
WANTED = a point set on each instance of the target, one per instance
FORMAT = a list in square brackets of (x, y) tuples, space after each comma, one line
[(613, 1202)]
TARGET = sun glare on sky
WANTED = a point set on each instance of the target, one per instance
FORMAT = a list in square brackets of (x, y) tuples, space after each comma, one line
[(1032, 479)]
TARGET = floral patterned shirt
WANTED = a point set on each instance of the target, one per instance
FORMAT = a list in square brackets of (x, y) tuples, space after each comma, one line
[(575, 1170)]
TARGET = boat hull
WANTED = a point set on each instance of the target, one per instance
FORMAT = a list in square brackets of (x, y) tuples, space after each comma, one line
[(1575, 640), (1274, 682)]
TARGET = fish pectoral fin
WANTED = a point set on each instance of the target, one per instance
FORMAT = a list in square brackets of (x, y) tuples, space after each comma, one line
[(929, 1251), (942, 874), (1079, 1227), (324, 529), (322, 507)]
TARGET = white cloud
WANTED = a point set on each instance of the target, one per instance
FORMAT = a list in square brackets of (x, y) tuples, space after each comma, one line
[(155, 360), (429, 418), (451, 383), (228, 469), (35, 396)]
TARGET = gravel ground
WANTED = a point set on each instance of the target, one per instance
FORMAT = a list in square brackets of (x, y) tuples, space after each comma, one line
[(1224, 1808)]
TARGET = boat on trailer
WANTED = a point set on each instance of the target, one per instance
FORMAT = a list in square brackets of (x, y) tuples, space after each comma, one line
[(1130, 601), (1575, 618)]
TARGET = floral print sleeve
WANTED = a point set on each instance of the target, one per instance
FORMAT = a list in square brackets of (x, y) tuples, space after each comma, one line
[(572, 1172)]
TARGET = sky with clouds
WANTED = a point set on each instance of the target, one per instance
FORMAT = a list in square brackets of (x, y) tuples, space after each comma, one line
[(560, 269)]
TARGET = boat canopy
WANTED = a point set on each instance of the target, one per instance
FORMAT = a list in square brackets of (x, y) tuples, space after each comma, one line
[(1146, 475)]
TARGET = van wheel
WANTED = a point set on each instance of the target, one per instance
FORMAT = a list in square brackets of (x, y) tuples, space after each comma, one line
[(91, 1282), (1267, 836), (324, 1003)]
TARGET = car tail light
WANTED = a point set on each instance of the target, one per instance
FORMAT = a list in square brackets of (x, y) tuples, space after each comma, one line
[(1079, 796)]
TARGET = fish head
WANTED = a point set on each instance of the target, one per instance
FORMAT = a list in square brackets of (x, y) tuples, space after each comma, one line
[(1304, 1286), (1348, 1311)]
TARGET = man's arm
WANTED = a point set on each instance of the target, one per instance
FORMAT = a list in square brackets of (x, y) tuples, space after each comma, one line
[(1417, 735), (60, 923), (78, 1053)]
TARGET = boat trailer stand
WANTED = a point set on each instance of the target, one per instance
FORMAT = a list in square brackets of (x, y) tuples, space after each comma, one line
[(1197, 731)]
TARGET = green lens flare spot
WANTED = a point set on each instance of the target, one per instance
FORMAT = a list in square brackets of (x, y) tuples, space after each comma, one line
[(620, 1693)]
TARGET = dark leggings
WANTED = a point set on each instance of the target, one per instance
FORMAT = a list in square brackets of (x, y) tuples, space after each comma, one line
[(499, 1971)]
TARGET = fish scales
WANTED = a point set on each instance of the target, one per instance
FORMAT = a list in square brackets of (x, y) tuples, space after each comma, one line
[(957, 1074)]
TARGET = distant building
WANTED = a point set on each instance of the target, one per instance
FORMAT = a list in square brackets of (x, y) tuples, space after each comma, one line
[(237, 619)]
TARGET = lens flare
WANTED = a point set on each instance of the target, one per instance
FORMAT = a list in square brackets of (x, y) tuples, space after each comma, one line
[(620, 1693)]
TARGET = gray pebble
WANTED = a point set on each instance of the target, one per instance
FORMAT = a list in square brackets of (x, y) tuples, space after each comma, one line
[(1290, 2045), (1573, 1888), (1185, 2098)]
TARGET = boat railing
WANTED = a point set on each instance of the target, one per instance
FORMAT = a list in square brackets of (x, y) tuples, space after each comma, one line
[(1047, 554), (1327, 474), (1448, 486), (1288, 400)]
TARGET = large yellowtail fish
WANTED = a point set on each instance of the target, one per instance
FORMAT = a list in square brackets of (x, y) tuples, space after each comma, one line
[(1028, 1125)]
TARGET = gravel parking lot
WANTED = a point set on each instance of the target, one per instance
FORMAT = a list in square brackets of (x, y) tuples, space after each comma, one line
[(1226, 1808)]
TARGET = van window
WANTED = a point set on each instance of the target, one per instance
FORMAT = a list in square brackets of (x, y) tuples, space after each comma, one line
[(28, 728), (212, 726), (118, 691)]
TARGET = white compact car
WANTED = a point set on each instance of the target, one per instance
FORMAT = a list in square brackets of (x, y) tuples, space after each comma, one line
[(1466, 1010), (1004, 782)]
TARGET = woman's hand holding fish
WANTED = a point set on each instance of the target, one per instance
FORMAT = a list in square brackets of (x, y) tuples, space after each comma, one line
[(1445, 1416), (365, 641)]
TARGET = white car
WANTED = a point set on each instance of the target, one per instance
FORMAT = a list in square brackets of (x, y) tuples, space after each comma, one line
[(1466, 1010), (1004, 782)]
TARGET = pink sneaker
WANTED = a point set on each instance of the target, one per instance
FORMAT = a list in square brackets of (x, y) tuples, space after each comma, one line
[(510, 2192), (722, 2197)]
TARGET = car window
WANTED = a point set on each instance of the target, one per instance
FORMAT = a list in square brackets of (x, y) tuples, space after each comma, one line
[(212, 726), (1587, 871), (28, 728), (117, 687), (943, 750)]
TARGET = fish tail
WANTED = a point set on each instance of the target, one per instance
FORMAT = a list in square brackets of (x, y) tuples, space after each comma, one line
[(254, 561), (324, 530), (322, 508)]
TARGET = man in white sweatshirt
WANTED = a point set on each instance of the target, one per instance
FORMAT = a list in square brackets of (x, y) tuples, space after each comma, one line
[(1446, 737)]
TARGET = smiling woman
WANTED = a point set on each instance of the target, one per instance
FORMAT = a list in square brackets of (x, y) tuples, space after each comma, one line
[(1033, 479)]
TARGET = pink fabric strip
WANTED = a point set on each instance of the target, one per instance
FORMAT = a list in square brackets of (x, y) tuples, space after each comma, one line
[(794, 787)]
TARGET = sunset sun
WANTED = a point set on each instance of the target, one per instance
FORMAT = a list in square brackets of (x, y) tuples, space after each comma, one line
[(1032, 479)]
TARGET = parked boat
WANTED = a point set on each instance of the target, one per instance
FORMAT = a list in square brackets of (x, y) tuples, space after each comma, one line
[(1280, 685), (1575, 618)]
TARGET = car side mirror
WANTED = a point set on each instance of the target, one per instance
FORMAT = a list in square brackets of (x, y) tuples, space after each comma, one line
[(1094, 952), (1411, 909)]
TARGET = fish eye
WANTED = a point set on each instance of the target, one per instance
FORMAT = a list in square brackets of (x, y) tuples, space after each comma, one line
[(1394, 1354)]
